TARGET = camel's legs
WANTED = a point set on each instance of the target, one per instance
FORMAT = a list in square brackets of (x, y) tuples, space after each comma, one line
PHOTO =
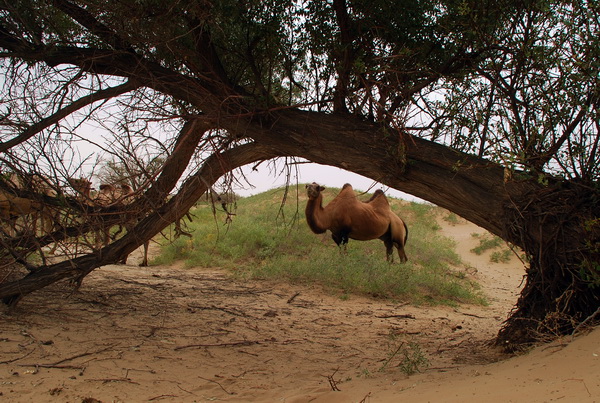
[(389, 249), (341, 240), (401, 253), (145, 259)]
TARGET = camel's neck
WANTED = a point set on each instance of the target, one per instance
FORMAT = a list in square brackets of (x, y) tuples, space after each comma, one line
[(315, 217)]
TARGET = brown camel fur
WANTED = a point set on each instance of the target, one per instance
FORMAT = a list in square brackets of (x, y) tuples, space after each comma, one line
[(108, 196), (348, 218), (13, 206)]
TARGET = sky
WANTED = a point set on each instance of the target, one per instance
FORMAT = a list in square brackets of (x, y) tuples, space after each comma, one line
[(265, 179), (270, 175)]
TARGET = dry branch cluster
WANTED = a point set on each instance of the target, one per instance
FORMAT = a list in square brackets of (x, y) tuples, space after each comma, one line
[(561, 288)]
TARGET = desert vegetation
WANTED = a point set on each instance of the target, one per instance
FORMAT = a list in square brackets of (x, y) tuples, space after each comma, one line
[(268, 240), (487, 110)]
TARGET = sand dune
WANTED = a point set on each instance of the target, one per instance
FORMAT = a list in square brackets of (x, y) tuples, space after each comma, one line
[(175, 335)]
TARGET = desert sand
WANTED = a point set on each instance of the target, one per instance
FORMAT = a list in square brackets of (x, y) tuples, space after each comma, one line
[(171, 334)]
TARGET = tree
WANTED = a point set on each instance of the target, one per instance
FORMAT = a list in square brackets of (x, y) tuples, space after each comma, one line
[(489, 110)]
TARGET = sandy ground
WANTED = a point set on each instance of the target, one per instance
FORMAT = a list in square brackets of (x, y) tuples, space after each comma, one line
[(194, 335)]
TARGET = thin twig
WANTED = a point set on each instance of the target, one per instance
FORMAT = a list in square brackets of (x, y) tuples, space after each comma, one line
[(364, 400), (403, 316), (471, 314), (216, 308), (16, 359), (107, 380), (57, 363), (221, 386), (333, 382), (68, 366), (160, 397), (237, 343), (589, 318)]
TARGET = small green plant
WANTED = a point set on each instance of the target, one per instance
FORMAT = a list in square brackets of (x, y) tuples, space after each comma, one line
[(486, 242), (501, 256), (411, 357), (452, 219)]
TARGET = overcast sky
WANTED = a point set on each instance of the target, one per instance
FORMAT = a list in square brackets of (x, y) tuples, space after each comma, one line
[(269, 175), (266, 177)]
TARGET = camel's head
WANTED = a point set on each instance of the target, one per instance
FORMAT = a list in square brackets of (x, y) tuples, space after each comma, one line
[(81, 185), (126, 189), (106, 187), (314, 190)]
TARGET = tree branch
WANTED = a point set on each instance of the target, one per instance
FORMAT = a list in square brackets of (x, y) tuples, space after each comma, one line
[(452, 66), (568, 131), (200, 92), (465, 184), (345, 57), (214, 167), (174, 166), (205, 50), (86, 19), (64, 112)]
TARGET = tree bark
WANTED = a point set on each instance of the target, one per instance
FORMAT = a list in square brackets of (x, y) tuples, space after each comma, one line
[(470, 186)]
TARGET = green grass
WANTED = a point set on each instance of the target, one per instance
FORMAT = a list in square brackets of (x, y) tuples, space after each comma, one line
[(452, 218), (269, 241), (408, 356), (502, 256), (486, 242), (489, 242)]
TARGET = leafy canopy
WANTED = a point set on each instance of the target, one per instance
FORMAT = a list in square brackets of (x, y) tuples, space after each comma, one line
[(515, 82)]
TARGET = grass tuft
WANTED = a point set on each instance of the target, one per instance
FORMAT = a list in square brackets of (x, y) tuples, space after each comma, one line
[(489, 242)]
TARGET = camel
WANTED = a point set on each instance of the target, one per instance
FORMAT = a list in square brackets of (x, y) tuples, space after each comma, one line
[(108, 195), (348, 218), (13, 206)]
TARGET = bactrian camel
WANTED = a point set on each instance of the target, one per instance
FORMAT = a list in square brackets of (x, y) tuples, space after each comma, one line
[(349, 218), (108, 195), (13, 206)]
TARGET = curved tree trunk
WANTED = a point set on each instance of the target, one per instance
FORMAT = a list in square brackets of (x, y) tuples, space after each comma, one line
[(556, 225), (472, 187)]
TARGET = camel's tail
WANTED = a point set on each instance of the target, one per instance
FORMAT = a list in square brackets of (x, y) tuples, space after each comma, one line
[(405, 232)]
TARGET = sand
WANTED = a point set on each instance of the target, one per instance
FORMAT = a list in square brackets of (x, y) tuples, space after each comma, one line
[(171, 334)]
